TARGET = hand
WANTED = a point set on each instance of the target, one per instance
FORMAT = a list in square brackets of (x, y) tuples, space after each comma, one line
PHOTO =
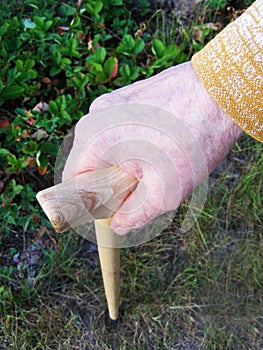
[(169, 157)]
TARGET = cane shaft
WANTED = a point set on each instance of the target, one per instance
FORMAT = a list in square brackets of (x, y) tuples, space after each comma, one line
[(110, 265)]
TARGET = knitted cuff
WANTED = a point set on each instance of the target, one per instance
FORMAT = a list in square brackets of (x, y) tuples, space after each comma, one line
[(231, 68)]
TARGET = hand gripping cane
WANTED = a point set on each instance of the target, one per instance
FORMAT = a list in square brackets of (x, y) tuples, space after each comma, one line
[(93, 195)]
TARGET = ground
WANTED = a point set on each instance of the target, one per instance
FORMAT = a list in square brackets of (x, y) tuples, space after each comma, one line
[(196, 290)]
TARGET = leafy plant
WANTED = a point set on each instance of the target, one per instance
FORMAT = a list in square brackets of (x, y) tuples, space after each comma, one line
[(56, 57)]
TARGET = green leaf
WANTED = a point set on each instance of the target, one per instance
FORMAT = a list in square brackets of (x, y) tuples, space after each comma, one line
[(29, 64), (73, 43), (25, 36), (39, 22), (28, 75), (15, 22), (49, 148), (68, 71), (78, 70), (84, 82), (76, 82), (17, 164), (139, 46), (11, 75), (98, 6), (4, 54), (3, 29), (75, 53), (12, 92), (100, 54), (3, 152), (94, 8), (14, 188), (127, 45), (29, 148), (48, 24), (129, 41), (66, 10), (52, 107), (41, 159), (33, 5), (56, 56), (66, 116), (11, 220), (158, 48), (54, 71), (65, 51), (76, 22), (71, 48), (65, 62), (110, 66), (95, 68), (3, 157), (61, 102), (19, 65), (134, 72), (125, 71)]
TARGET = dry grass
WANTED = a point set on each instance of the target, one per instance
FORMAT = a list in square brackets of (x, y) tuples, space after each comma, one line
[(199, 290), (176, 291)]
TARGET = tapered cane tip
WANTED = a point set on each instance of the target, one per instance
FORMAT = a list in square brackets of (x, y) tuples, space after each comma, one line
[(111, 322)]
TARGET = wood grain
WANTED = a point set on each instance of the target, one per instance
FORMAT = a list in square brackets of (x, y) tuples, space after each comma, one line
[(110, 265), (91, 195)]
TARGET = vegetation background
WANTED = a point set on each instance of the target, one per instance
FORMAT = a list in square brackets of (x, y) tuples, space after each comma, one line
[(200, 290)]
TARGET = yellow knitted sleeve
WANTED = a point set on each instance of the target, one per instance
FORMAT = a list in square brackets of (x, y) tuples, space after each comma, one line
[(231, 68)]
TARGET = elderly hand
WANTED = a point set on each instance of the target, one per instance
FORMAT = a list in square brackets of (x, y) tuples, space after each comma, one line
[(169, 152)]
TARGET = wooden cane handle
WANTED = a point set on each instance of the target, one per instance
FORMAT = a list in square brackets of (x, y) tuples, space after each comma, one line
[(91, 195)]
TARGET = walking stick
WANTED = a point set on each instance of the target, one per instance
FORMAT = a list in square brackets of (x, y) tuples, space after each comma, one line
[(93, 196)]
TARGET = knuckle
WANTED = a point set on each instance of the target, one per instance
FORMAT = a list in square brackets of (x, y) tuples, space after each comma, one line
[(100, 102)]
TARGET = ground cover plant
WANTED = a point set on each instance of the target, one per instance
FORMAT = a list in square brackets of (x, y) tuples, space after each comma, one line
[(200, 290)]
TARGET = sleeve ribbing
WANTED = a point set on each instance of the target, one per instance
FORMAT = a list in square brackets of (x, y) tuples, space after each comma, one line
[(231, 68)]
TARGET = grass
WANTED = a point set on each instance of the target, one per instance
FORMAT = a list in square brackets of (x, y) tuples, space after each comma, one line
[(176, 291), (197, 290)]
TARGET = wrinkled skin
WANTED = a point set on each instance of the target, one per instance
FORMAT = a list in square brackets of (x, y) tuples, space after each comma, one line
[(178, 91)]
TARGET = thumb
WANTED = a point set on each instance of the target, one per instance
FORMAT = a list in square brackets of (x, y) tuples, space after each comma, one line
[(139, 208)]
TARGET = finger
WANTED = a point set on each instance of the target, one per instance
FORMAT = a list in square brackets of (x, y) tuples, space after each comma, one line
[(141, 206)]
